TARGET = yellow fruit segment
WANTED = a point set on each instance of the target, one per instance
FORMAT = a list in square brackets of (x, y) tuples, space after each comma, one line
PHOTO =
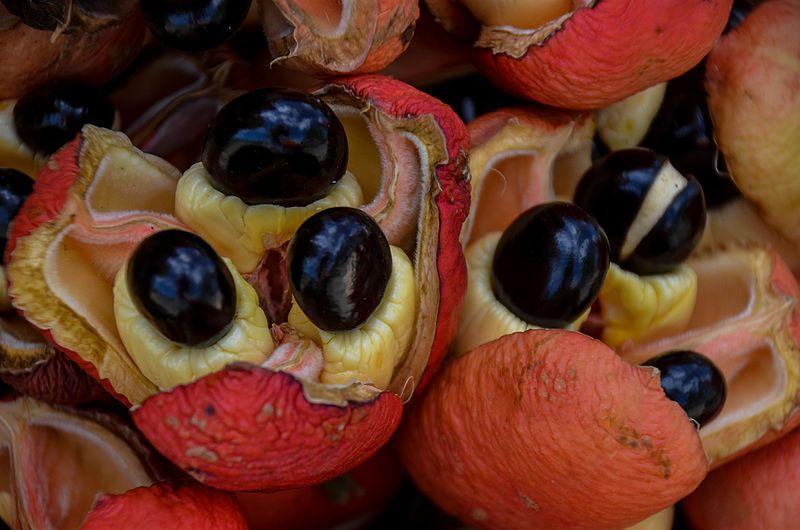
[(243, 232), (369, 353), (523, 14), (624, 124), (168, 364), (635, 308), (483, 317)]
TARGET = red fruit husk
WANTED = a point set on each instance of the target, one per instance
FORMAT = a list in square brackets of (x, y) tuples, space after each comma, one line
[(605, 51), (189, 507)]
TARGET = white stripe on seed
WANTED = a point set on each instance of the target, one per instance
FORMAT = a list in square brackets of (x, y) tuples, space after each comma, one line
[(666, 186)]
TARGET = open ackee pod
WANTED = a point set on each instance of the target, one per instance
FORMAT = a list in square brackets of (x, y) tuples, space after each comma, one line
[(93, 202), (249, 428), (82, 40), (747, 321), (584, 54), (338, 37), (521, 157), (550, 429), (53, 461)]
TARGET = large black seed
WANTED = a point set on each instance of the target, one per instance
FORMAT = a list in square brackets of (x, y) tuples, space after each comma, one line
[(183, 287), (550, 264), (48, 118), (614, 191), (194, 25), (694, 382), (15, 187), (339, 266), (682, 130), (276, 146)]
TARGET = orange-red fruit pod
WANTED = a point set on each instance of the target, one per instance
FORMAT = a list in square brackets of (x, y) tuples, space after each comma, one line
[(550, 429), (328, 37), (94, 48), (747, 320), (247, 426), (752, 77), (190, 507), (757, 492), (588, 53)]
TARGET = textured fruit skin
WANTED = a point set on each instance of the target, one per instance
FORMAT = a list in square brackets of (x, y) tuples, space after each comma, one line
[(625, 46), (756, 492), (162, 505), (757, 124), (396, 98), (246, 428), (30, 59), (376, 33), (550, 429), (352, 500)]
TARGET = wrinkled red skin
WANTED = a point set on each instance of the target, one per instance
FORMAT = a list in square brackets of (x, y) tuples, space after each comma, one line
[(757, 492), (30, 59), (611, 51), (189, 507), (58, 380), (353, 499), (396, 98), (50, 193), (246, 428)]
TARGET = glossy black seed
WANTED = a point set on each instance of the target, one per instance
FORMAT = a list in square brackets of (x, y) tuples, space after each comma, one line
[(194, 25), (39, 14), (550, 264), (339, 266), (15, 187), (694, 382), (682, 130), (276, 146), (183, 287), (472, 96), (48, 118), (614, 189)]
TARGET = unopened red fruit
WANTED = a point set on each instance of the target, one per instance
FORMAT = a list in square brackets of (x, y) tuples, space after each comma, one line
[(339, 267), (653, 216), (15, 187), (550, 264), (48, 118), (194, 25), (183, 287), (276, 146), (694, 382)]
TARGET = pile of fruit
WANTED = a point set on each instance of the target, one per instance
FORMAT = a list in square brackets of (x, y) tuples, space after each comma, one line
[(316, 264)]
